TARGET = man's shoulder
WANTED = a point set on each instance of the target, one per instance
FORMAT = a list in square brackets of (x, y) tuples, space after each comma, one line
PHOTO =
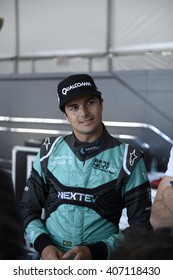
[(48, 143), (126, 147)]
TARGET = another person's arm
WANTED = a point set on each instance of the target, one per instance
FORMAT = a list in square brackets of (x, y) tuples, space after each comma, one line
[(11, 230), (162, 208)]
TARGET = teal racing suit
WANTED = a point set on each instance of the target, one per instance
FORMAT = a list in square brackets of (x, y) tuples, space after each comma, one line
[(83, 188)]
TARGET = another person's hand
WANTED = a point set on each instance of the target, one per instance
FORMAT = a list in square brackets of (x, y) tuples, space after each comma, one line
[(78, 253), (168, 197), (51, 252)]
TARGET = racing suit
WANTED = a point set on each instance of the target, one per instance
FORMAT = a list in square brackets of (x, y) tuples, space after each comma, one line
[(83, 188)]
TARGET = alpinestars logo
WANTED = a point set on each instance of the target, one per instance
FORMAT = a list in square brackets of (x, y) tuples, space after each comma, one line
[(104, 166), (46, 142), (133, 157), (76, 85)]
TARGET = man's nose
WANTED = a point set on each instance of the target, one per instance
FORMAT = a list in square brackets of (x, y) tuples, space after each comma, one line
[(83, 111)]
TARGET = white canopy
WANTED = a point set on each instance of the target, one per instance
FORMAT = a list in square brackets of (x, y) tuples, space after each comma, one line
[(79, 35)]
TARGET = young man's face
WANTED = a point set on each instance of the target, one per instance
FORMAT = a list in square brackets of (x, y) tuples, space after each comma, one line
[(85, 116)]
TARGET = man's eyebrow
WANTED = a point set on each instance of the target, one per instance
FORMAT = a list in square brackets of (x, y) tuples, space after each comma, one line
[(90, 98), (71, 105)]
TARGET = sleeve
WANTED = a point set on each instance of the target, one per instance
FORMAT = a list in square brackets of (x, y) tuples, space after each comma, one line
[(31, 206), (169, 171), (106, 249), (136, 194), (137, 197)]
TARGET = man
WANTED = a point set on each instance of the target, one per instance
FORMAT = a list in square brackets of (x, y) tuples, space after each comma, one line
[(11, 230), (83, 181), (162, 209)]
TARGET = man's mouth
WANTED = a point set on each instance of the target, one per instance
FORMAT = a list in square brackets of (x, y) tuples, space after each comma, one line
[(87, 121)]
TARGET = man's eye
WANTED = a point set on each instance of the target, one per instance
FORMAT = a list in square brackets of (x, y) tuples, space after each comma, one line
[(74, 108), (91, 102)]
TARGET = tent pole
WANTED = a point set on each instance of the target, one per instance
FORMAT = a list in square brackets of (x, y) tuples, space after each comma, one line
[(16, 63)]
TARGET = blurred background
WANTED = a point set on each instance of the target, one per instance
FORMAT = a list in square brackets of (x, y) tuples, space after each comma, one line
[(127, 47)]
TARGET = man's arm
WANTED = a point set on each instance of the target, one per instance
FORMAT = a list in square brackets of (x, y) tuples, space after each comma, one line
[(162, 208), (136, 194), (31, 205)]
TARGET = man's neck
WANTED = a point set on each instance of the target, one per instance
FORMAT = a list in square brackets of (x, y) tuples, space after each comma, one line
[(90, 138)]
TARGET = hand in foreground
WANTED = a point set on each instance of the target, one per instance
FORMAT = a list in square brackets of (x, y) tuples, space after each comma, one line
[(168, 197), (51, 252), (78, 253)]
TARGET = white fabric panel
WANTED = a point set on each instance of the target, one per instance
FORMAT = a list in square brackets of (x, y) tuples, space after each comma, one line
[(142, 22), (150, 61), (7, 33), (75, 27), (56, 25), (62, 64), (7, 67)]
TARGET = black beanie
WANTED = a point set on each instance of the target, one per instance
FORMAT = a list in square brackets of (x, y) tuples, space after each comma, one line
[(75, 86)]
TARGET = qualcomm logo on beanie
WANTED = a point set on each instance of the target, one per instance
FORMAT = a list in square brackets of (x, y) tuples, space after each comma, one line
[(76, 85)]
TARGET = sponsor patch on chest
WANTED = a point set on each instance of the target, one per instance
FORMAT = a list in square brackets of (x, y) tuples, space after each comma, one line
[(103, 166), (82, 197)]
